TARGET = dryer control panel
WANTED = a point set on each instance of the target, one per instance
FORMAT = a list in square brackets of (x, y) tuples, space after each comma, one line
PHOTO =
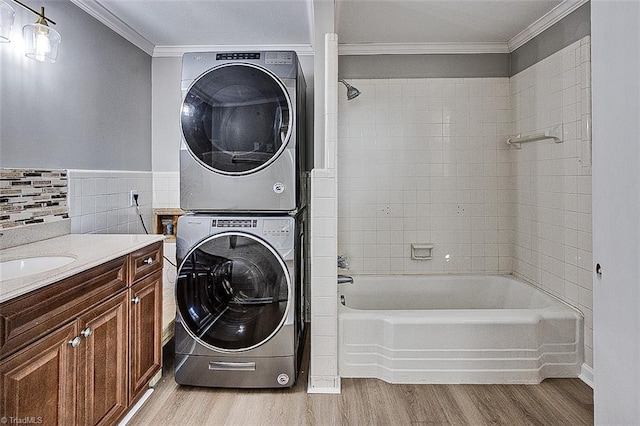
[(234, 223), (237, 56), (278, 58)]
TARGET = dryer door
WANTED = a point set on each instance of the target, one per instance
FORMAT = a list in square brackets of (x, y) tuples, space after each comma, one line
[(233, 292), (236, 119)]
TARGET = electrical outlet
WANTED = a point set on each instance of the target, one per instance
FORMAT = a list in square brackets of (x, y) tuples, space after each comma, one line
[(133, 193)]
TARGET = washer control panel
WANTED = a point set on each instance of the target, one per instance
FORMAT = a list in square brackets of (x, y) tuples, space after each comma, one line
[(280, 233), (276, 227)]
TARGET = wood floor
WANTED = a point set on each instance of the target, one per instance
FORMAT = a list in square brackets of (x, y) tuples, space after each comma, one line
[(369, 402)]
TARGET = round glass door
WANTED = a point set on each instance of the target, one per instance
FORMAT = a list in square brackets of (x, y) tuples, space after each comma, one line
[(236, 119), (233, 292)]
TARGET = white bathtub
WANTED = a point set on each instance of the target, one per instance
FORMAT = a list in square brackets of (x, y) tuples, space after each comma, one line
[(455, 329)]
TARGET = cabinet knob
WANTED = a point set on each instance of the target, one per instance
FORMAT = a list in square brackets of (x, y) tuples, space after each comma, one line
[(135, 300), (148, 261), (75, 342), (86, 332)]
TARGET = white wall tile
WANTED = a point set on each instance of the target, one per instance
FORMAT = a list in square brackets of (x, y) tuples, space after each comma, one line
[(554, 182), (323, 211), (166, 190), (99, 201), (443, 156)]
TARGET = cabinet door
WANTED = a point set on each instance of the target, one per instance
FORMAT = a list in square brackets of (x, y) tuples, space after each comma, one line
[(39, 381), (102, 393), (145, 332)]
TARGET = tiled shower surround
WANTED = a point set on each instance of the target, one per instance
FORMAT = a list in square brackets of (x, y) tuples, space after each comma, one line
[(552, 244), (99, 201), (426, 161)]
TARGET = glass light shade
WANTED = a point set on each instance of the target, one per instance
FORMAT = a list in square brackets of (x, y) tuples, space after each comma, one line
[(7, 15), (41, 42)]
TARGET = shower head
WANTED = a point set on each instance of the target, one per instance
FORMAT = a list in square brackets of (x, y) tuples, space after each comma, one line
[(352, 92)]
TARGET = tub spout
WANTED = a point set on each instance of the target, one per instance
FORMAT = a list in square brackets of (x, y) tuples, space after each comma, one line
[(345, 279)]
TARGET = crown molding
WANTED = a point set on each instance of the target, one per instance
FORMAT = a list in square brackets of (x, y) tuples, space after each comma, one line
[(95, 9), (544, 22), (421, 48), (178, 51)]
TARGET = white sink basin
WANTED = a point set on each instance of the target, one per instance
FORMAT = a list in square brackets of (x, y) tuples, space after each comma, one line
[(19, 268)]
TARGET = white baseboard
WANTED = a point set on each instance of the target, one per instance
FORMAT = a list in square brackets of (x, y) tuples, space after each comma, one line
[(132, 412), (586, 375), (324, 384)]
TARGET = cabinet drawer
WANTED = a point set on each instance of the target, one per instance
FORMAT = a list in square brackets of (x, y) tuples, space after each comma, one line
[(28, 317), (146, 261)]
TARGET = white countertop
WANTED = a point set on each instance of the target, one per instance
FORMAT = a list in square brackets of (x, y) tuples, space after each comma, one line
[(89, 250)]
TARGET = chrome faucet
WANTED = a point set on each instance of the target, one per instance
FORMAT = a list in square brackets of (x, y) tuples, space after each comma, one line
[(345, 279), (343, 262)]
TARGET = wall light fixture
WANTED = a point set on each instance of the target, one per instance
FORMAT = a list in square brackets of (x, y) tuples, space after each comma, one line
[(41, 42), (7, 15)]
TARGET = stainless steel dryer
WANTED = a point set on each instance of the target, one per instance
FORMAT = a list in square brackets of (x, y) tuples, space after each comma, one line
[(239, 300), (243, 132)]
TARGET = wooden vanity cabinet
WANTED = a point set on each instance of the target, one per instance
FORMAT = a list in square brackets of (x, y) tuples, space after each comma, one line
[(88, 367)]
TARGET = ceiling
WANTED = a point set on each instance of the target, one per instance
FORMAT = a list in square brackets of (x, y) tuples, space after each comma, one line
[(217, 22), (442, 21), (172, 24)]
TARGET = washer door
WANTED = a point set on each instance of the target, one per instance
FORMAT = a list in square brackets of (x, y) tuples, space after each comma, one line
[(236, 118), (233, 292)]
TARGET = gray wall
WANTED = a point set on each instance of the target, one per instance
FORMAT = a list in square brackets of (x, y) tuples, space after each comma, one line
[(89, 110), (166, 100), (570, 29), (424, 66)]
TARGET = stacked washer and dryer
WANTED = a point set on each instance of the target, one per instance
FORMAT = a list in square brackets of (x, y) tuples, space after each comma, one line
[(240, 249)]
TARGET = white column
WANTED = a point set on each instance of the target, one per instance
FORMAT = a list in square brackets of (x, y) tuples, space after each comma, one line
[(323, 370)]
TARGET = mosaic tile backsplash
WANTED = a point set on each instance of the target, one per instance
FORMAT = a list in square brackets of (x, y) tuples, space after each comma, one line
[(29, 196)]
